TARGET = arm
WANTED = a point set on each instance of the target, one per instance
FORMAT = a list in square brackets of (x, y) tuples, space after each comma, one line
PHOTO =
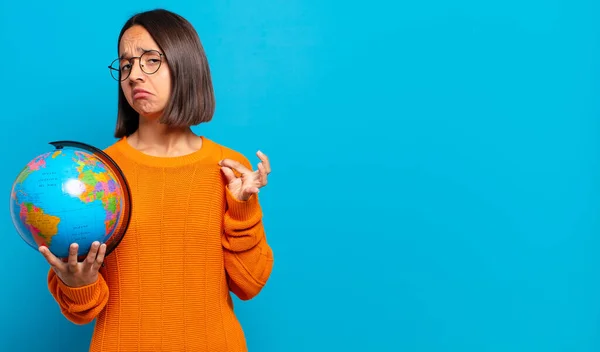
[(80, 305), (248, 257)]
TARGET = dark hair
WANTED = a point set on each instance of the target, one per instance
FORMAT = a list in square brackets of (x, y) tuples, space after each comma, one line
[(192, 98)]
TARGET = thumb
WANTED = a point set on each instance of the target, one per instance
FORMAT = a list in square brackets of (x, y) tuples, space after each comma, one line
[(229, 175)]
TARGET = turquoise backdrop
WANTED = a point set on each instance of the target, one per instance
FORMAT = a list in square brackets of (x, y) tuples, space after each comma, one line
[(436, 176)]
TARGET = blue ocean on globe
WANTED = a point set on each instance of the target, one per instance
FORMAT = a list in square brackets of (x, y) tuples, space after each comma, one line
[(67, 196)]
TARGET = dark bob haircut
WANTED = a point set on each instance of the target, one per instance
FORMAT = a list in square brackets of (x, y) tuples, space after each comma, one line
[(192, 99)]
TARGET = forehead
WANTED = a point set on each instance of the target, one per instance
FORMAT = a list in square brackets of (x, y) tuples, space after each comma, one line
[(136, 40)]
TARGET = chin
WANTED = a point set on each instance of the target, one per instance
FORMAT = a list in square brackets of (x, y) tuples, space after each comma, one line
[(148, 113)]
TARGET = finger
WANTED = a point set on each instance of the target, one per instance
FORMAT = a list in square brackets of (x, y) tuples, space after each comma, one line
[(249, 191), (229, 175), (265, 161), (236, 165), (90, 259), (72, 261), (51, 258), (100, 257), (262, 174)]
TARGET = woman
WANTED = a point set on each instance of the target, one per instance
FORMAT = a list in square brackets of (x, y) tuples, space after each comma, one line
[(196, 232)]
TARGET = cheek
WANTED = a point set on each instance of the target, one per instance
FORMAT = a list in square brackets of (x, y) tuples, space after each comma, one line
[(164, 83), (125, 88)]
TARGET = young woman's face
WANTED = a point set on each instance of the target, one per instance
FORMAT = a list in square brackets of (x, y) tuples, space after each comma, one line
[(148, 87)]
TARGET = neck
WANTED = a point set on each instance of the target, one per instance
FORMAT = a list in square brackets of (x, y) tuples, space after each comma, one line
[(158, 139)]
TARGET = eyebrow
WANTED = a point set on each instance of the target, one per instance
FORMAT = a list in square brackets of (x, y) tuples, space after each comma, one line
[(125, 54)]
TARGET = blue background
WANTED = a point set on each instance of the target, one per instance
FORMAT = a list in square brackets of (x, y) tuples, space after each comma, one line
[(435, 179)]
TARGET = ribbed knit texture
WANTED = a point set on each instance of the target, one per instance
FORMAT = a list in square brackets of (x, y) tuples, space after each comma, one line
[(189, 244)]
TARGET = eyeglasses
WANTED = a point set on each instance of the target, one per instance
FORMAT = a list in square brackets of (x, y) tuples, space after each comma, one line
[(150, 62)]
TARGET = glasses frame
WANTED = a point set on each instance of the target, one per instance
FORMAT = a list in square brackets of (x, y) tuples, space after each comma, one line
[(131, 60)]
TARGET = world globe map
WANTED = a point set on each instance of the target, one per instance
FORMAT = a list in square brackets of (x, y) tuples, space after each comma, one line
[(73, 194)]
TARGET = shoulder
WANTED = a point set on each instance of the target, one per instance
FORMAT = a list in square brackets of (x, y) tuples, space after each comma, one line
[(113, 148), (115, 152), (226, 152)]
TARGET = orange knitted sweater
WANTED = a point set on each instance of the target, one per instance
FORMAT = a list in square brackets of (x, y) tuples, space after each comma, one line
[(189, 244)]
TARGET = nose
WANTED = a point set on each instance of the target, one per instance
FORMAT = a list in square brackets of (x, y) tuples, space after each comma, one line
[(136, 71)]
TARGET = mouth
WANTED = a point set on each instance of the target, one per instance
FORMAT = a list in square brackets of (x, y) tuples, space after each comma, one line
[(140, 93)]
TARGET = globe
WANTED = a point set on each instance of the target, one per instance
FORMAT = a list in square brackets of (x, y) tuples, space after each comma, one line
[(74, 193)]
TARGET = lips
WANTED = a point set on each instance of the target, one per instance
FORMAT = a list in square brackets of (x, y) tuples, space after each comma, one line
[(139, 93)]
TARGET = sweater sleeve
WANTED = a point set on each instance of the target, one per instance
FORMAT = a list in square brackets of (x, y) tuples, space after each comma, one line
[(248, 257), (81, 305)]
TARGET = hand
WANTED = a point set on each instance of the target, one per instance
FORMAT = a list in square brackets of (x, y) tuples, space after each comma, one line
[(74, 273), (249, 182)]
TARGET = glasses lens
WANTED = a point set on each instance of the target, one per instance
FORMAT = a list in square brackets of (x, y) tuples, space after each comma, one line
[(114, 70), (150, 61)]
